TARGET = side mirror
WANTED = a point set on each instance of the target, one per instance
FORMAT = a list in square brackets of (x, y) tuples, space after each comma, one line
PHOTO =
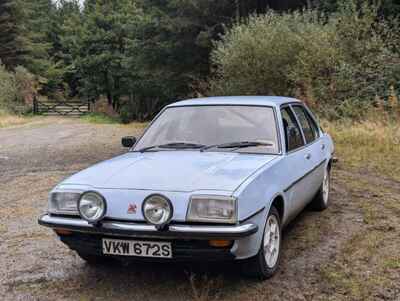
[(128, 141)]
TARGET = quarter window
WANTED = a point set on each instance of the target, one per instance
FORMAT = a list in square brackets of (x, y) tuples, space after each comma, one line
[(310, 130), (292, 131), (314, 126)]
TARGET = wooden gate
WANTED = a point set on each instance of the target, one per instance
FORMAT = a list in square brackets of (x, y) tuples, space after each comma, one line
[(65, 108)]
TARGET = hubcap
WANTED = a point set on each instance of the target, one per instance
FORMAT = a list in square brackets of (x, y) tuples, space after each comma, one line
[(272, 241), (325, 188)]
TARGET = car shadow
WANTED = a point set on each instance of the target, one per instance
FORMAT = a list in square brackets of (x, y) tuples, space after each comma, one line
[(182, 279)]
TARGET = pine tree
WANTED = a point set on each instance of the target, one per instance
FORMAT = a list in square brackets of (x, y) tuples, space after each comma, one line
[(39, 13), (13, 40), (99, 44)]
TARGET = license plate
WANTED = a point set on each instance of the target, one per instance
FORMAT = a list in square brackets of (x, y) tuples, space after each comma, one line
[(137, 248)]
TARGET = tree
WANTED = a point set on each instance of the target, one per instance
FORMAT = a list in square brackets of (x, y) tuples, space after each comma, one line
[(173, 49), (247, 7), (388, 8), (12, 33), (99, 41), (337, 64)]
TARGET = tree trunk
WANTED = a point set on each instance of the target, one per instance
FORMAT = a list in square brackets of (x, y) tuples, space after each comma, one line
[(108, 89)]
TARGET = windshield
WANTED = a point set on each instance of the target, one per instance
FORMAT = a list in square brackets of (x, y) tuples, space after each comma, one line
[(213, 125)]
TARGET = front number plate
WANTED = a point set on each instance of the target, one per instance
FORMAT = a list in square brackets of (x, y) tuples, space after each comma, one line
[(137, 248)]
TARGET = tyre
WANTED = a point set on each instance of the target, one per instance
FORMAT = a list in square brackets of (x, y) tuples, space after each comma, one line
[(321, 200), (265, 263)]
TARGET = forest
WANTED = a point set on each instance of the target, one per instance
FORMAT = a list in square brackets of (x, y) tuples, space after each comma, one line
[(342, 57)]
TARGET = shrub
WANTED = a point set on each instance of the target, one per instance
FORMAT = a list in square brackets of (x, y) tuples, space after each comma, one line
[(337, 64), (17, 90), (8, 89), (27, 88)]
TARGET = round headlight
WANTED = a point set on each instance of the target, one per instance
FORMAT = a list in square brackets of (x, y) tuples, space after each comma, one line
[(157, 209), (92, 206)]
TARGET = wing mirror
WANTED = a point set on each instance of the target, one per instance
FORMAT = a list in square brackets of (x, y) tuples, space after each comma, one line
[(128, 141)]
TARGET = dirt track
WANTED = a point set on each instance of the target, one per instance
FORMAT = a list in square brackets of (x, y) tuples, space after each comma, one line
[(34, 265)]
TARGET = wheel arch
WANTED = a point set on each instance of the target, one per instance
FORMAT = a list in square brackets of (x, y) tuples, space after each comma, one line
[(329, 166), (279, 203)]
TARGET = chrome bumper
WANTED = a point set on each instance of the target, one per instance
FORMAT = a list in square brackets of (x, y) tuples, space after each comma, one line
[(144, 230)]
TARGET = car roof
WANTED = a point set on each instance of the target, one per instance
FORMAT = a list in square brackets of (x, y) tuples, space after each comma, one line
[(236, 100)]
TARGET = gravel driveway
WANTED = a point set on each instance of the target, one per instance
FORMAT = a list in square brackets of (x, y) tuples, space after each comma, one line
[(34, 265)]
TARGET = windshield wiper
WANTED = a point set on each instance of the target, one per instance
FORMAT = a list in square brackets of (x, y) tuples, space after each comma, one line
[(174, 145), (239, 144)]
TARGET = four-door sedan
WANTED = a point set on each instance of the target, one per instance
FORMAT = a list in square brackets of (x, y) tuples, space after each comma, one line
[(210, 179)]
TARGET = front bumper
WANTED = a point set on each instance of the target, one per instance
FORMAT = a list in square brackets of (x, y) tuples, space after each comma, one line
[(182, 249), (131, 229)]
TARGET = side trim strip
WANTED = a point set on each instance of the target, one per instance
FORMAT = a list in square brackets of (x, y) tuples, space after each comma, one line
[(301, 178), (252, 215)]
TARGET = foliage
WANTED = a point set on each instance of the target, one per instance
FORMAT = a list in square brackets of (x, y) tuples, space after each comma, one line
[(338, 64), (12, 33), (387, 7), (165, 49), (100, 53), (27, 86), (143, 54), (8, 89), (15, 87)]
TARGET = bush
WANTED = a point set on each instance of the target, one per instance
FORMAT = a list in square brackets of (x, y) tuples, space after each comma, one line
[(17, 90), (27, 88), (8, 89), (337, 64)]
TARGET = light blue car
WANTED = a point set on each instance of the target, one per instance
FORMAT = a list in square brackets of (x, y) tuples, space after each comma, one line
[(210, 179)]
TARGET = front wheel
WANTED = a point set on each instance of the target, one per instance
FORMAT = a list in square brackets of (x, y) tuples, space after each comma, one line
[(265, 263)]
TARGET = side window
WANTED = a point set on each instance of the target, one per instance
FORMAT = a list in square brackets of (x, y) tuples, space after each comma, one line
[(292, 131), (314, 126), (309, 128)]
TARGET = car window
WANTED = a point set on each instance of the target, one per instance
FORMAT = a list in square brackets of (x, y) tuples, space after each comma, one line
[(294, 140), (314, 125), (214, 124), (309, 130)]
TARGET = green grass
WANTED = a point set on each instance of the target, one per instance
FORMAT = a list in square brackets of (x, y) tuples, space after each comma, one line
[(371, 145), (99, 118), (368, 263)]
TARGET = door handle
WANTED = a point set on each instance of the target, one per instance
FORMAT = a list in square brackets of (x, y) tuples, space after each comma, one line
[(323, 146), (308, 156)]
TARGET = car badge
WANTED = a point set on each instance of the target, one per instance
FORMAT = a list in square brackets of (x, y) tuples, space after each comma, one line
[(132, 209)]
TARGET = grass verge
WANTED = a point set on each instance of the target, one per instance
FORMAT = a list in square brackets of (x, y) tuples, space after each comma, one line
[(370, 145), (99, 118), (7, 119), (367, 266)]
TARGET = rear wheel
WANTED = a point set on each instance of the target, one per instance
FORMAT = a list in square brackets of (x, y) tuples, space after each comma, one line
[(265, 263), (321, 200)]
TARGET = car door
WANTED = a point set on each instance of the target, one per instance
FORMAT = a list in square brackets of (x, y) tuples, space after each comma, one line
[(295, 163), (314, 152)]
